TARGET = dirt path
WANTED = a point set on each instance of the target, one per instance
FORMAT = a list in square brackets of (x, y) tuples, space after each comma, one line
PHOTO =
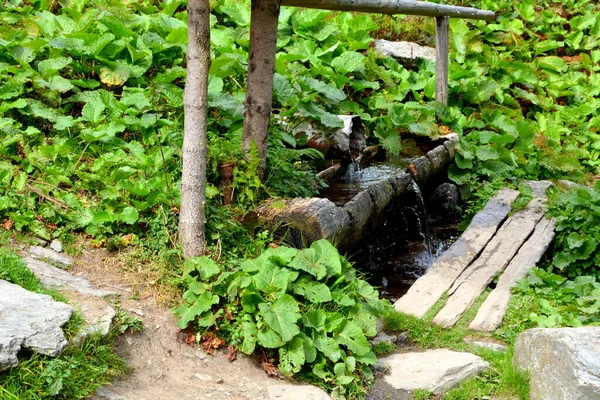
[(161, 367)]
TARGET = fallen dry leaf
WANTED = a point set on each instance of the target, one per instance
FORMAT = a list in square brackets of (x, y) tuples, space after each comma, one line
[(271, 370), (186, 336), (7, 224), (210, 342), (231, 353)]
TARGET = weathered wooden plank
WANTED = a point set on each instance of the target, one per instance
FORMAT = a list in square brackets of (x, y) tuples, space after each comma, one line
[(428, 289), (496, 256), (441, 59), (492, 311), (409, 7)]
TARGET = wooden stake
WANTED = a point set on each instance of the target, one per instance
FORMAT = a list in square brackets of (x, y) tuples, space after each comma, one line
[(441, 59)]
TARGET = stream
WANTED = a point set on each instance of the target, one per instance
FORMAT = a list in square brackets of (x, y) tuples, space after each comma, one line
[(404, 247)]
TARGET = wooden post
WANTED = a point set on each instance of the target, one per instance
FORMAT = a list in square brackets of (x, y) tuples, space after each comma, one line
[(441, 59)]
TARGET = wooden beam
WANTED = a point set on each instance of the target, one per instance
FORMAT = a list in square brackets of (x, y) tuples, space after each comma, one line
[(441, 59), (409, 7)]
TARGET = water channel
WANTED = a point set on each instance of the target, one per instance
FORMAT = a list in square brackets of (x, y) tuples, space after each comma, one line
[(401, 249)]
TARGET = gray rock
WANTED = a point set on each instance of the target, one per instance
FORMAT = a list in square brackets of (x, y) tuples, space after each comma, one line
[(52, 256), (296, 392), (401, 183), (30, 321), (443, 202), (404, 51), (359, 209), (96, 312), (56, 245), (435, 370), (539, 188), (502, 348), (56, 278), (563, 363), (381, 368), (383, 337), (105, 393)]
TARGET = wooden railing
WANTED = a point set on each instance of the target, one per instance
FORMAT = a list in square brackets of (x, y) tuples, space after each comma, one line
[(442, 14)]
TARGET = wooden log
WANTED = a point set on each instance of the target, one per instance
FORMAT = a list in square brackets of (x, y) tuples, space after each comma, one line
[(441, 57), (428, 289), (408, 7), (496, 256), (492, 311)]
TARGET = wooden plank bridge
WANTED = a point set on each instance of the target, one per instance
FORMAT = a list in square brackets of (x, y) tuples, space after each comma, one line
[(493, 244)]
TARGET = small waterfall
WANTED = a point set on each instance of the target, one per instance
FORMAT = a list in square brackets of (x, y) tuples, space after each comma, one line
[(353, 172), (423, 222)]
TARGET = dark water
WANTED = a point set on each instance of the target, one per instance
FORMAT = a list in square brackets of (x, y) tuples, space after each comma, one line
[(406, 244), (356, 180)]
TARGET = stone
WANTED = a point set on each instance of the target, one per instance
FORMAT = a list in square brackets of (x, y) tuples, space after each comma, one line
[(296, 392), (443, 202), (96, 312), (56, 245), (435, 370), (495, 257), (29, 321), (450, 144), (502, 348), (429, 288), (346, 143), (383, 337), (53, 277), (51, 256), (539, 188), (563, 363), (492, 311), (105, 393), (332, 173), (405, 51)]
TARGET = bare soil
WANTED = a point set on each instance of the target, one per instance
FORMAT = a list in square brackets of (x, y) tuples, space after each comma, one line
[(160, 365)]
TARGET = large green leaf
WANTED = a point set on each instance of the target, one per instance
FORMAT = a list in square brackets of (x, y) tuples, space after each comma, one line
[(282, 316), (292, 357), (315, 292), (351, 336), (187, 313)]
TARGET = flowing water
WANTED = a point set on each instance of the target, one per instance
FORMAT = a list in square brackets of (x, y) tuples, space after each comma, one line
[(406, 244)]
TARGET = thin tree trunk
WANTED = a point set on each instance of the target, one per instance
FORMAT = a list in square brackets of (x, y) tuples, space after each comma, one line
[(261, 68), (192, 216)]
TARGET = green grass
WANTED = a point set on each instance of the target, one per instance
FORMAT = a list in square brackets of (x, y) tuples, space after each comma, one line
[(76, 373), (383, 349), (501, 379)]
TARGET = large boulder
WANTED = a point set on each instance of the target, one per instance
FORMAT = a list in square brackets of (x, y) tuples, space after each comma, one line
[(435, 370), (564, 363), (29, 321)]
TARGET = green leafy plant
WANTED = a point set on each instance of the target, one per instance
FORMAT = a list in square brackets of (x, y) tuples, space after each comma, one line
[(308, 308), (576, 244)]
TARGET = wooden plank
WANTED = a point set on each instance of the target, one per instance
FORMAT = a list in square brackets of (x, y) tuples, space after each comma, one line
[(493, 309), (496, 256), (441, 59), (408, 7), (428, 289)]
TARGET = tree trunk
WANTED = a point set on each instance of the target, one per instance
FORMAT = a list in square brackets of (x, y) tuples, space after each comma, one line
[(261, 68), (195, 101)]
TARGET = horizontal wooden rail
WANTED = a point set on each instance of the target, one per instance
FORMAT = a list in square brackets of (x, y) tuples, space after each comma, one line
[(409, 7)]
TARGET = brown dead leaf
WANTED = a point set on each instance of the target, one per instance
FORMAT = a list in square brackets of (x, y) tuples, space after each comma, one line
[(231, 353), (569, 59), (413, 169), (271, 369), (186, 336), (229, 315), (7, 224), (210, 342), (444, 130), (273, 245)]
